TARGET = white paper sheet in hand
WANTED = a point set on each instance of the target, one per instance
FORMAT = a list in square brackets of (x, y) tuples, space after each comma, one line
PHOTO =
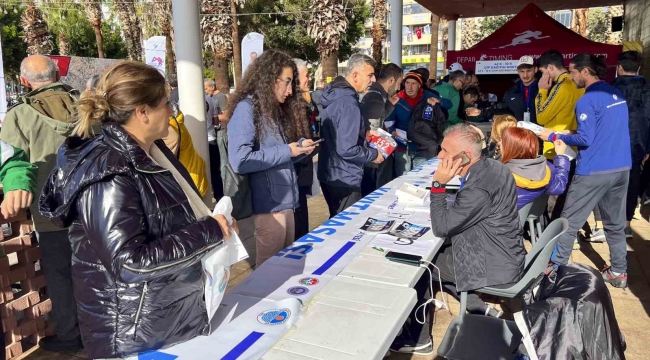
[(216, 264), (419, 247)]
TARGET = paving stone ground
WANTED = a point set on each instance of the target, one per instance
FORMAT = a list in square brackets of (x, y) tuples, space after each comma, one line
[(632, 305)]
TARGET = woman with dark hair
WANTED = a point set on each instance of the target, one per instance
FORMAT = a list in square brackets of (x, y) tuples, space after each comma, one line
[(137, 225), (264, 133), (533, 175)]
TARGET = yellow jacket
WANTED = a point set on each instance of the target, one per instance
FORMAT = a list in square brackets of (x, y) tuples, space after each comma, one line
[(188, 156), (556, 108)]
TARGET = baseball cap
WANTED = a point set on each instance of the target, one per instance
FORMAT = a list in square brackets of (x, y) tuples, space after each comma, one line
[(526, 60), (456, 67)]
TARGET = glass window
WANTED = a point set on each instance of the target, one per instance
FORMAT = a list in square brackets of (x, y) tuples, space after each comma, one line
[(564, 17), (414, 9)]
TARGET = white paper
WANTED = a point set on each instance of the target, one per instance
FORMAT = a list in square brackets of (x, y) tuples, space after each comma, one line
[(419, 247), (401, 134)]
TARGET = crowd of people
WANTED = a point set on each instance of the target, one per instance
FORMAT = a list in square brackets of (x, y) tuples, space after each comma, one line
[(121, 223)]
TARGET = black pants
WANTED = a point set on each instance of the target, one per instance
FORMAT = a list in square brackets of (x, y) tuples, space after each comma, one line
[(301, 214), (339, 198), (215, 170), (56, 258), (444, 260), (369, 180), (633, 188)]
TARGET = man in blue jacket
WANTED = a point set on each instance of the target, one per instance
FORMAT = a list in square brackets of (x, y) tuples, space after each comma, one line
[(345, 149), (399, 120), (604, 163)]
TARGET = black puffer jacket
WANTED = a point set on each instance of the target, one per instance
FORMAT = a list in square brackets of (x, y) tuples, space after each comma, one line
[(483, 224), (136, 244), (637, 94)]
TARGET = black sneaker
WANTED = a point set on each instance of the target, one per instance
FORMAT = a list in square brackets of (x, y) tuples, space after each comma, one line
[(617, 281), (628, 233), (53, 343), (406, 346)]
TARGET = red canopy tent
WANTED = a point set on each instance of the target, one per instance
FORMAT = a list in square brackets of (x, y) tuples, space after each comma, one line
[(531, 32)]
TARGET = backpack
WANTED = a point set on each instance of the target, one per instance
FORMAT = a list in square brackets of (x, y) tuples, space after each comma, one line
[(57, 105)]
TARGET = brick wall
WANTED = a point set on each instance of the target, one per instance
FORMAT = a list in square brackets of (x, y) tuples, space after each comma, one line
[(637, 28), (24, 304)]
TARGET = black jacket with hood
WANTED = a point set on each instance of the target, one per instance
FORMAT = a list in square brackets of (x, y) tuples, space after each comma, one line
[(136, 244), (483, 224), (637, 94), (426, 128), (345, 149)]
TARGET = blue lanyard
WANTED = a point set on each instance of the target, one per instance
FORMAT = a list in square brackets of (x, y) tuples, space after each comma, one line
[(527, 98), (462, 181)]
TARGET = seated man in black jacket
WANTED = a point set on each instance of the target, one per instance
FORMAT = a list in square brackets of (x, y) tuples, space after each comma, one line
[(482, 224)]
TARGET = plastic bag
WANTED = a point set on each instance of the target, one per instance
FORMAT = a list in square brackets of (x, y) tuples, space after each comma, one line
[(216, 264)]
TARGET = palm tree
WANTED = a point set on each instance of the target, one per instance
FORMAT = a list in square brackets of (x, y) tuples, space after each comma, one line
[(445, 41), (579, 23), (130, 25), (94, 14), (217, 37), (163, 12), (236, 44), (433, 54), (37, 34), (378, 28), (327, 25)]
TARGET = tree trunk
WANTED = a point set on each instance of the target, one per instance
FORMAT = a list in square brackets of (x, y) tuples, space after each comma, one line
[(97, 26), (236, 44), (221, 72), (64, 47), (579, 23), (330, 65), (433, 54), (171, 60), (378, 29), (445, 43)]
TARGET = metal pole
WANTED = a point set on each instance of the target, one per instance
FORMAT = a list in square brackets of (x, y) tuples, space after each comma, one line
[(189, 66), (396, 31), (452, 35)]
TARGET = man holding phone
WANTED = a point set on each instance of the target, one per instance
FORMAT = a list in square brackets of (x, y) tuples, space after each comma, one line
[(484, 246)]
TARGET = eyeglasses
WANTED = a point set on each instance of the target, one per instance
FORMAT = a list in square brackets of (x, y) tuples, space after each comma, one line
[(286, 82)]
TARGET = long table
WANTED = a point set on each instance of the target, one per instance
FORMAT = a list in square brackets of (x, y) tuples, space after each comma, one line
[(330, 295)]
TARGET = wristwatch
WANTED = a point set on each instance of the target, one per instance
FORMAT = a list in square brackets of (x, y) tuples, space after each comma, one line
[(438, 185)]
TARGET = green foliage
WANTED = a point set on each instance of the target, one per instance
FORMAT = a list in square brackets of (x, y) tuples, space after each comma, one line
[(290, 34), (599, 24), (489, 25), (79, 32), (14, 48)]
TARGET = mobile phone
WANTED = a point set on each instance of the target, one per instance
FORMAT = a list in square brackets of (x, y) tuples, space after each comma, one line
[(318, 142), (463, 156), (404, 258)]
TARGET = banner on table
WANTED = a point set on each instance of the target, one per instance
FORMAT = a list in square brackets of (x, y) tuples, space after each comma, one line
[(155, 52), (499, 67), (261, 309), (252, 46)]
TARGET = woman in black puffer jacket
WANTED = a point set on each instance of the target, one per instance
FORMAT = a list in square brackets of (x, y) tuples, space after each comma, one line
[(136, 237)]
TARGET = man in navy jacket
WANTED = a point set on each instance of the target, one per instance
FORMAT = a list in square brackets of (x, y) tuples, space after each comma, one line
[(345, 149), (603, 164)]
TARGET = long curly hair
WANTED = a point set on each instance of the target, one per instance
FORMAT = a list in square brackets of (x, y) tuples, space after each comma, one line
[(270, 116)]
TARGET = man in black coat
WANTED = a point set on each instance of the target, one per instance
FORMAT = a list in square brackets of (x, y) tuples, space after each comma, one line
[(520, 99), (376, 105), (636, 90), (486, 245)]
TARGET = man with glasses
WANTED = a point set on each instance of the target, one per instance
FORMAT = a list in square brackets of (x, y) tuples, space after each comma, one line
[(450, 91)]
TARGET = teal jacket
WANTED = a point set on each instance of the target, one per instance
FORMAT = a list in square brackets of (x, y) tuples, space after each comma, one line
[(449, 92)]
